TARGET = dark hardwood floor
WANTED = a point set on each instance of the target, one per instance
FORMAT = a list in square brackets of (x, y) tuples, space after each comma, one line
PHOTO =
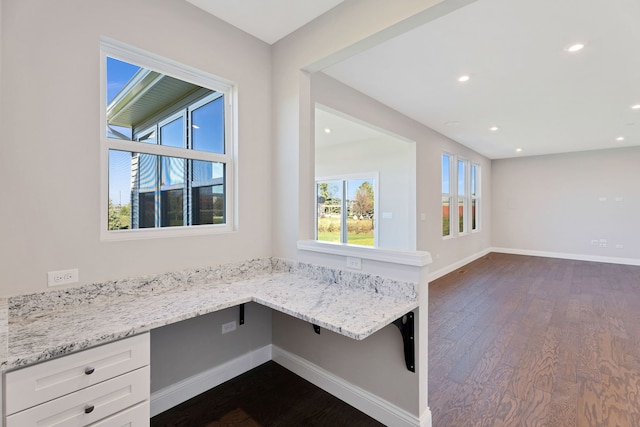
[(513, 341), (268, 395), (529, 341)]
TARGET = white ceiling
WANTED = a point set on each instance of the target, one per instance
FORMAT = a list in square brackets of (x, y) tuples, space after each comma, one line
[(268, 20), (543, 99)]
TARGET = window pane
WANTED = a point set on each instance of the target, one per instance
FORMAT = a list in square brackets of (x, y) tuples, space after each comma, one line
[(172, 134), (461, 218), (360, 202), (329, 196), (146, 210), (446, 174), (474, 214), (172, 208), (208, 193), (119, 190), (207, 127), (461, 182), (149, 137), (173, 172), (473, 180), (446, 216), (144, 176)]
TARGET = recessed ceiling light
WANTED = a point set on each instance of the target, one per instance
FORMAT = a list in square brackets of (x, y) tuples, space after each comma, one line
[(574, 47), (327, 130), (620, 138), (463, 78), (518, 150), (635, 107), (494, 128)]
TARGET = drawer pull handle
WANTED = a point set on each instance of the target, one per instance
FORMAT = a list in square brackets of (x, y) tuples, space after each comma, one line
[(89, 370), (89, 409)]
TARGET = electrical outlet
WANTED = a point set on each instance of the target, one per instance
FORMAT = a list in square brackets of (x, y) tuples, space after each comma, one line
[(62, 277), (353, 262), (228, 327)]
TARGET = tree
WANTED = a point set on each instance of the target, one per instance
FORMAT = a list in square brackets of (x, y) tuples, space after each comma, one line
[(363, 203), (114, 218), (119, 216)]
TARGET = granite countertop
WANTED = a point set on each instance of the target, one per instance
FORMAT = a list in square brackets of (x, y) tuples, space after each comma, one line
[(41, 326)]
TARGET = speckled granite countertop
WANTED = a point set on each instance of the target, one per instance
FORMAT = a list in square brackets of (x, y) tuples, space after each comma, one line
[(41, 326)]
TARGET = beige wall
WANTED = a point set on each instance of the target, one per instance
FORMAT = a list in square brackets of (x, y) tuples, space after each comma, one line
[(559, 204), (344, 30), (429, 147), (50, 150)]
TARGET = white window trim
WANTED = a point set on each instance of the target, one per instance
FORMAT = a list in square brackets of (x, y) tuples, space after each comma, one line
[(348, 177), (121, 51), (454, 217)]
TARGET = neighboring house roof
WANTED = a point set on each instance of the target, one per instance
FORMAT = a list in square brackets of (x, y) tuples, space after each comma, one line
[(147, 93)]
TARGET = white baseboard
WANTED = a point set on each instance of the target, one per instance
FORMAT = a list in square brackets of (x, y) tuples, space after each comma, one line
[(372, 405), (562, 255), (448, 269), (184, 390)]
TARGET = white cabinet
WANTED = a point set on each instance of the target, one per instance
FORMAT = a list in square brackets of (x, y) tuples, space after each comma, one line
[(106, 385)]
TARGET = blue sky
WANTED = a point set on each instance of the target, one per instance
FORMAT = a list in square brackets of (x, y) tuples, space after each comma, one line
[(118, 74)]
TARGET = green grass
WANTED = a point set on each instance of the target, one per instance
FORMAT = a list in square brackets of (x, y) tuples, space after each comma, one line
[(329, 231)]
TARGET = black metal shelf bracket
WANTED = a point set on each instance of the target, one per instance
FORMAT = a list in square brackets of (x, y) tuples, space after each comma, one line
[(406, 326), (316, 329), (242, 314)]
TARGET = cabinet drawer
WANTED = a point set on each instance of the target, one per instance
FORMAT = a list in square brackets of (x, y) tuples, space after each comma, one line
[(137, 416), (40, 383), (87, 406)]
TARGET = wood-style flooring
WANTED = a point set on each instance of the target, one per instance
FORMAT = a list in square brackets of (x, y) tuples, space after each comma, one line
[(268, 395), (530, 341), (514, 341)]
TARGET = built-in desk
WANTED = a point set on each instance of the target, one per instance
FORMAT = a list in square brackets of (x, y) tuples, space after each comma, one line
[(50, 324), (38, 327)]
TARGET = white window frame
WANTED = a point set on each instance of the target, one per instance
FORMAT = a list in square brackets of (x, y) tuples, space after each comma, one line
[(123, 52)]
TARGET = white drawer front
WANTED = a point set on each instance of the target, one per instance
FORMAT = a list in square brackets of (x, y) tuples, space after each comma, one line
[(72, 410), (40, 383), (137, 416)]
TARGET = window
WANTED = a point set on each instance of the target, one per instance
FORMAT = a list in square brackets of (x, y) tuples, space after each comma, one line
[(168, 146), (475, 197), (463, 197), (345, 211), (446, 195), (462, 189)]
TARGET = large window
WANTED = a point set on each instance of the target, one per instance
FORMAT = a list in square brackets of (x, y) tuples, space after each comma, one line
[(460, 188), (168, 144), (345, 211)]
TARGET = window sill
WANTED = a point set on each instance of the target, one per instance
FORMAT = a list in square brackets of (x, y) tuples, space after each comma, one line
[(163, 233), (395, 256)]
